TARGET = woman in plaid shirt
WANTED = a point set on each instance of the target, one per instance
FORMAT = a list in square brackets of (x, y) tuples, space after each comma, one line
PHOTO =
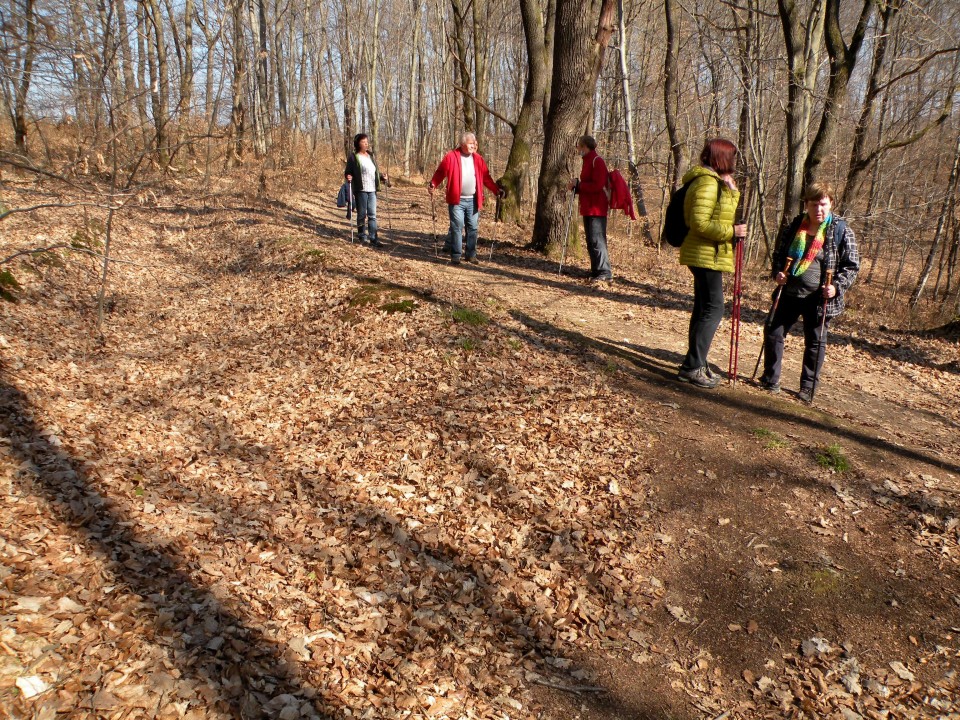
[(819, 252)]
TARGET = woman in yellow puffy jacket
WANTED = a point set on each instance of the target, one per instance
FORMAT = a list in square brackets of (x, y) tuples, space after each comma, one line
[(709, 209)]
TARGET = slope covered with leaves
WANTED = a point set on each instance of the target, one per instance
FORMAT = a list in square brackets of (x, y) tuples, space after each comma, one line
[(298, 478)]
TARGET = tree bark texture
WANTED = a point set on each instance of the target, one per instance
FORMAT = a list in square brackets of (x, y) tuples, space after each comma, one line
[(579, 52)]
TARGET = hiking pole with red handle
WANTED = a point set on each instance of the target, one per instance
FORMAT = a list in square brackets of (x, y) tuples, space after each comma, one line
[(566, 234), (823, 345), (773, 311), (732, 365)]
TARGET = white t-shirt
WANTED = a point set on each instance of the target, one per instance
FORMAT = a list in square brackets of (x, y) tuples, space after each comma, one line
[(368, 173), (468, 176)]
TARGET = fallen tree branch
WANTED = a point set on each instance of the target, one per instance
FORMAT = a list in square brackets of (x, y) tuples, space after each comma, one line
[(575, 689)]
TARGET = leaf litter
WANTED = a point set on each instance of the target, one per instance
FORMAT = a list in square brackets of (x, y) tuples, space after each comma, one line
[(387, 520)]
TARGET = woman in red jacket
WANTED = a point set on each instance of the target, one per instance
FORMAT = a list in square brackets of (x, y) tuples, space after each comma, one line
[(591, 186), (466, 174)]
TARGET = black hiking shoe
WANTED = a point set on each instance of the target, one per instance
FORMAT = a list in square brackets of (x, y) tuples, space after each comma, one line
[(770, 387), (805, 395), (376, 244), (454, 261)]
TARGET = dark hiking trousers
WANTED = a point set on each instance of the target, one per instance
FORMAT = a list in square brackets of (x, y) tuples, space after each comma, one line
[(789, 310), (595, 228), (706, 316)]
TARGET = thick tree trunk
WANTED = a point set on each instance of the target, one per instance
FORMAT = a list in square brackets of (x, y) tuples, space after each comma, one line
[(261, 91), (587, 27), (518, 164), (159, 79), (238, 120), (803, 38), (843, 60)]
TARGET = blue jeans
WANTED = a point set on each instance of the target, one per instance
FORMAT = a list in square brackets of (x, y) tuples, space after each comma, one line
[(464, 213), (367, 216)]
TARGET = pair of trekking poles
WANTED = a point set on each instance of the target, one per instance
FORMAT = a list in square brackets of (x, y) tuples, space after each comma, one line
[(732, 366), (732, 369)]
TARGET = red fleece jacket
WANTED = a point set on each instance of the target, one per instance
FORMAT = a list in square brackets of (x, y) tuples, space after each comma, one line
[(593, 178), (449, 169)]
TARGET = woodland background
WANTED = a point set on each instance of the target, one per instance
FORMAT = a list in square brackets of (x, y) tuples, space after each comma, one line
[(122, 97), (251, 470)]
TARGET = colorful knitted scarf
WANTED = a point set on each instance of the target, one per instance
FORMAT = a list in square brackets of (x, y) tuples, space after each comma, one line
[(801, 259)]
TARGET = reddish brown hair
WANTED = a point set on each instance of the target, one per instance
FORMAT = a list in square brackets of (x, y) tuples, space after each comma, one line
[(719, 154)]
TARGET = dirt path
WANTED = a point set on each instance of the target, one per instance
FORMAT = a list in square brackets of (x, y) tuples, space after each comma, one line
[(302, 478)]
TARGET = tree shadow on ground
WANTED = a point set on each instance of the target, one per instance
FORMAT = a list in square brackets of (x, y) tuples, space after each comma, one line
[(769, 408), (245, 683)]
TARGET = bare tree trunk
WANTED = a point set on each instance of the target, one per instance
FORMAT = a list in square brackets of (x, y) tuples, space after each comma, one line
[(237, 128), (481, 69), (670, 96), (518, 162), (580, 48), (463, 67), (159, 78), (372, 56), (628, 126), (413, 87), (261, 92), (26, 74), (803, 37), (843, 60), (941, 221)]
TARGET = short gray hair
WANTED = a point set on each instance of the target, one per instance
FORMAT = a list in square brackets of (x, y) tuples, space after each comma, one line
[(466, 135)]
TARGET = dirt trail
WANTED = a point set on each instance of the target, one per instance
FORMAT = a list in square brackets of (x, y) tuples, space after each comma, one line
[(793, 551)]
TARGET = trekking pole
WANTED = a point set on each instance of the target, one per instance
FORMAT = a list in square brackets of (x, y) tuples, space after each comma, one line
[(823, 341), (433, 211), (350, 208), (769, 320), (732, 365), (566, 234), (497, 218), (386, 194)]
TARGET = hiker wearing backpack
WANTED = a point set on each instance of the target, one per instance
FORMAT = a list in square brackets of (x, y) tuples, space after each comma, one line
[(594, 203), (818, 261), (709, 207), (364, 180)]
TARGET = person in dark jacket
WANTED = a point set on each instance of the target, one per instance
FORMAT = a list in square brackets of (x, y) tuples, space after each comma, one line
[(364, 177), (819, 251), (709, 208), (466, 174), (591, 186)]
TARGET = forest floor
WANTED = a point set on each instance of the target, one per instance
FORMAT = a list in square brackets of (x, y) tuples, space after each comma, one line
[(301, 478)]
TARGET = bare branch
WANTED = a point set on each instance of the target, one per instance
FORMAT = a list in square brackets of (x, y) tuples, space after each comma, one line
[(486, 107)]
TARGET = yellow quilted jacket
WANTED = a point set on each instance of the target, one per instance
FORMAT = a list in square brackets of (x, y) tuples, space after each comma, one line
[(709, 243)]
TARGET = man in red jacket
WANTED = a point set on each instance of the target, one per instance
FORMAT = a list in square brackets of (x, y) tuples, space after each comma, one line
[(592, 188), (466, 174)]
